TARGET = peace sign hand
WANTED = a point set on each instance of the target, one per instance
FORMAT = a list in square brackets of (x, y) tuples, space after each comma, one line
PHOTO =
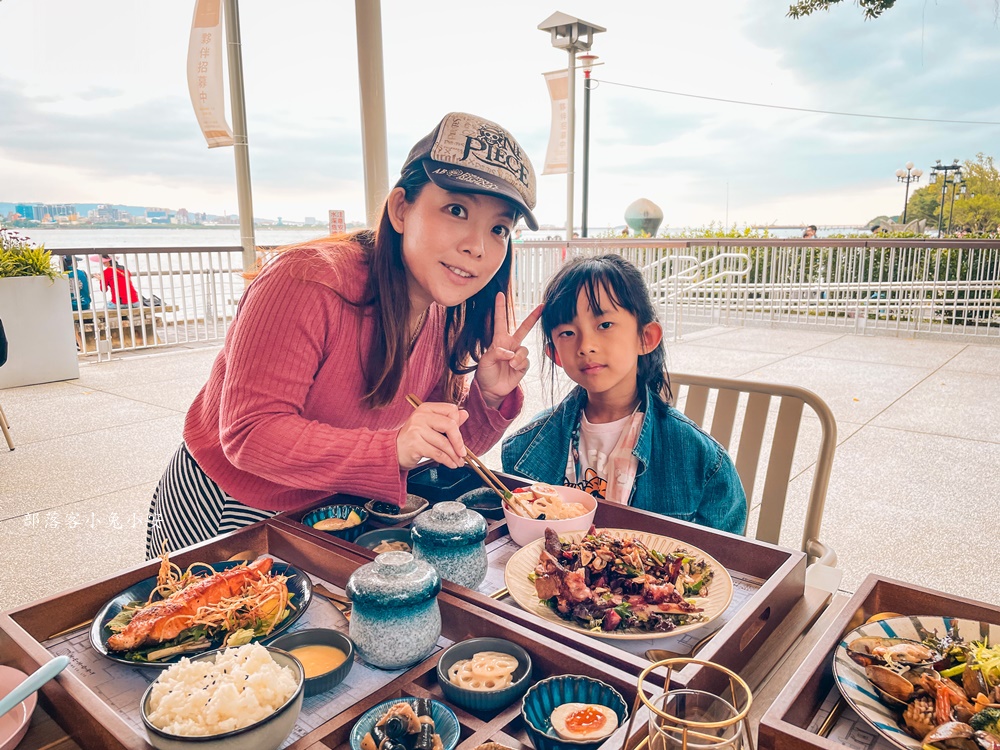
[(503, 365)]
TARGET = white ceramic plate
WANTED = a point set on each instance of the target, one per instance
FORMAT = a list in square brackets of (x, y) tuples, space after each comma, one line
[(522, 563), (857, 690)]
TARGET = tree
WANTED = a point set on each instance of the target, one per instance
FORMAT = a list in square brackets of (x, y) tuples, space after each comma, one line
[(872, 8), (978, 210)]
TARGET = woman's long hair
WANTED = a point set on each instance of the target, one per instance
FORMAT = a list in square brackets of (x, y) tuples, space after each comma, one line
[(468, 329)]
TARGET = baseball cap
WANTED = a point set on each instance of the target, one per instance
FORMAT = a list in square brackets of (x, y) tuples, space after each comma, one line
[(471, 154)]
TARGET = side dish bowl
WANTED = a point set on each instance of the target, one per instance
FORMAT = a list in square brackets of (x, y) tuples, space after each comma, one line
[(526, 530), (483, 700), (446, 724), (349, 533), (372, 539), (483, 500), (545, 695), (14, 723), (266, 734), (320, 683)]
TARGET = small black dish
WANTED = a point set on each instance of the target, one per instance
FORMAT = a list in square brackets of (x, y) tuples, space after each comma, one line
[(484, 501), (439, 483)]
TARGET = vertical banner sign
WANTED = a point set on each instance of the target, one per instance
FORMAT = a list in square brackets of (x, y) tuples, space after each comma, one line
[(555, 157), (204, 69), (337, 223)]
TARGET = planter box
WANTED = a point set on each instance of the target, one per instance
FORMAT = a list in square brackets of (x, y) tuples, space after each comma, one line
[(38, 320)]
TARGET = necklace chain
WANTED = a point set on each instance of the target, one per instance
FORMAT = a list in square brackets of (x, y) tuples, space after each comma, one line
[(417, 329)]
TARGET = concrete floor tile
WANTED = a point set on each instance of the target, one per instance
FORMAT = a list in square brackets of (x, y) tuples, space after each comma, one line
[(175, 394), (770, 341), (855, 391), (909, 506), (53, 473), (149, 368), (704, 359), (979, 358), (889, 351), (48, 553), (950, 402), (33, 394), (75, 411)]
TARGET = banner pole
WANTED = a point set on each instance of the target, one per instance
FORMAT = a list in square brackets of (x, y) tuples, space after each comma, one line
[(241, 148), (570, 138)]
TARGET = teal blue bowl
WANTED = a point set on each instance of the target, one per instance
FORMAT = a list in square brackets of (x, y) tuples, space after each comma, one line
[(445, 722), (485, 701), (338, 511), (319, 683), (545, 695)]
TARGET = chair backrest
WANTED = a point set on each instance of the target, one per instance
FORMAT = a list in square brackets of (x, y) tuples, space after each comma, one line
[(3, 345), (727, 402)]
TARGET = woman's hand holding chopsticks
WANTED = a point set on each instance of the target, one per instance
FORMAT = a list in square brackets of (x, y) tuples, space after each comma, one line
[(432, 431)]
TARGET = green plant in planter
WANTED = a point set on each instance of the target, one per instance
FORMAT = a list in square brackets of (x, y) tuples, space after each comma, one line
[(20, 257)]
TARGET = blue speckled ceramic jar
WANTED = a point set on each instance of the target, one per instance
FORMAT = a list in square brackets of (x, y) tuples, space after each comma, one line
[(396, 620), (451, 538)]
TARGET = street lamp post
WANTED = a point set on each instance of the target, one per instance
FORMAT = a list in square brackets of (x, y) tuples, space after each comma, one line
[(588, 65), (910, 175), (955, 186), (944, 170), (573, 35)]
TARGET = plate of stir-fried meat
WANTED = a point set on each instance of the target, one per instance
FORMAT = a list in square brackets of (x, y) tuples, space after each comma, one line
[(616, 583), (179, 613)]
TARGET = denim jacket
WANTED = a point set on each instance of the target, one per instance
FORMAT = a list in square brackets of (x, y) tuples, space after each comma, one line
[(682, 472)]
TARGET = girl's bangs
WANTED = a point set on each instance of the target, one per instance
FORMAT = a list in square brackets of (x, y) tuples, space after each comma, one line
[(593, 277)]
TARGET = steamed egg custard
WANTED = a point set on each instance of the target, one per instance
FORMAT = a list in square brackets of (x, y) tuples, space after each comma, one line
[(583, 721), (318, 659)]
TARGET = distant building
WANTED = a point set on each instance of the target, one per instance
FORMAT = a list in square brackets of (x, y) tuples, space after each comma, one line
[(182, 216), (310, 221), (38, 211), (108, 214), (158, 215)]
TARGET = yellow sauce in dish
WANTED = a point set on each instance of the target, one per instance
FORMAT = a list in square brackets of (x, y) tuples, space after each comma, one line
[(318, 659)]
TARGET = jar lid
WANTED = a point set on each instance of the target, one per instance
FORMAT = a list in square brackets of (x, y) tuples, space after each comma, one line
[(449, 523), (395, 579)]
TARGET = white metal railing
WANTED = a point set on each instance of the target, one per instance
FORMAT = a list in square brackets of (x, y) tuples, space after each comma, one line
[(181, 296), (933, 287)]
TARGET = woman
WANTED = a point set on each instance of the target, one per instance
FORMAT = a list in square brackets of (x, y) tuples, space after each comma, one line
[(308, 396)]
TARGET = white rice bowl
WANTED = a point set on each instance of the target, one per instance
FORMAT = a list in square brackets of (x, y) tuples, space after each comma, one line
[(200, 698)]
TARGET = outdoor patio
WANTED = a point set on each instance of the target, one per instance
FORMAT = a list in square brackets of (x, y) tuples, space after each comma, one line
[(913, 493)]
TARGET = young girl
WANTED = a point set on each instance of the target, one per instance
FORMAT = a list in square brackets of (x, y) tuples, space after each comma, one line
[(615, 435), (308, 396)]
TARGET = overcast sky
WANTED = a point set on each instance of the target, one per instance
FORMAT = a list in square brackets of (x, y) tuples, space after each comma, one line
[(94, 104)]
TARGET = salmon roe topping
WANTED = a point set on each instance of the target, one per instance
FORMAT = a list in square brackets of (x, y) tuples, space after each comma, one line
[(585, 720)]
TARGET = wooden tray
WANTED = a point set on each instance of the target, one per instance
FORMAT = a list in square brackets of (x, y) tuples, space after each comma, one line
[(95, 725), (784, 724), (734, 645)]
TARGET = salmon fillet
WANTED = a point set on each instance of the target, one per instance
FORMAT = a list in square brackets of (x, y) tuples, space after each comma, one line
[(164, 621)]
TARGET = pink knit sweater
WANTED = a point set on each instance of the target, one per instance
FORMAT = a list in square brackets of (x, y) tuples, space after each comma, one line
[(280, 423)]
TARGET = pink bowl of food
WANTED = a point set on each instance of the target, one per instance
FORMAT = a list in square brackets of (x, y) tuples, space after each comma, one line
[(14, 723), (539, 506)]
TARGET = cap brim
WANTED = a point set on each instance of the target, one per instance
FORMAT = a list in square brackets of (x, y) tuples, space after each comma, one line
[(462, 180)]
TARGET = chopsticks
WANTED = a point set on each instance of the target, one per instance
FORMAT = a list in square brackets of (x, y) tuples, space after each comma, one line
[(476, 464)]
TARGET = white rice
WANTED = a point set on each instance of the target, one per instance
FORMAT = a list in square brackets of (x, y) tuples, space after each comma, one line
[(197, 698)]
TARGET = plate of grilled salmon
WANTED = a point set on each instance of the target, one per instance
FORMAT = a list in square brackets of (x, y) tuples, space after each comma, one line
[(618, 584), (181, 613)]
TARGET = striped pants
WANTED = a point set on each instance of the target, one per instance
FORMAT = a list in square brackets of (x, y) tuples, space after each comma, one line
[(188, 508)]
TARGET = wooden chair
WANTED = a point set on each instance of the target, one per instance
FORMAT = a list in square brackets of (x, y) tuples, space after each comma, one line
[(726, 395)]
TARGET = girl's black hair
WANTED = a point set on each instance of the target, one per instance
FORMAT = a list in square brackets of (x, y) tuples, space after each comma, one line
[(626, 289)]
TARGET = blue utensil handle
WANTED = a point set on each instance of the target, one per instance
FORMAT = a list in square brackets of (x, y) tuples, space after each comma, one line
[(31, 684)]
